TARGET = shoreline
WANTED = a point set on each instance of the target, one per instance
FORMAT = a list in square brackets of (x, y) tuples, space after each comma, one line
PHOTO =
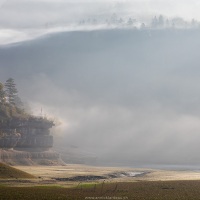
[(71, 175)]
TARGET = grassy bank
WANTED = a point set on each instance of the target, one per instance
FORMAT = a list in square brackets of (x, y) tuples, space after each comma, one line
[(7, 171), (132, 190)]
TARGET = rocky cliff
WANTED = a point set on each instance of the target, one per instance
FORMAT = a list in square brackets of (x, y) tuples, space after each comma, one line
[(27, 142), (24, 138), (33, 132), (31, 157)]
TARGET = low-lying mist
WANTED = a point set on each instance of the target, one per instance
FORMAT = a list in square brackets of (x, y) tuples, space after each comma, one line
[(124, 96)]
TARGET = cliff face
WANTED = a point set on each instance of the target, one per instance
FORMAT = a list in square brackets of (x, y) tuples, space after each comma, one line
[(23, 157), (9, 141), (26, 133), (35, 141), (24, 138), (27, 142)]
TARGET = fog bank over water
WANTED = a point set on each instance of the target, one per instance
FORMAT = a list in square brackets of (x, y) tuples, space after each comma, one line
[(125, 96)]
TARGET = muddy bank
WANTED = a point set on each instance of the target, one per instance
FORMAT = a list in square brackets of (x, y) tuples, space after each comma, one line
[(107, 176)]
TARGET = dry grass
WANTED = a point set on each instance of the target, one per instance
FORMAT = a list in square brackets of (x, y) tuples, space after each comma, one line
[(158, 184), (10, 172)]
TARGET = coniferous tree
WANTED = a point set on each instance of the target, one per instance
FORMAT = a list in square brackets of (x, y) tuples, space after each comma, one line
[(18, 102), (2, 94), (11, 91)]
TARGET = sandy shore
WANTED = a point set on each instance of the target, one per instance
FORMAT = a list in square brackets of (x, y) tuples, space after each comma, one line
[(52, 182), (50, 175), (48, 172)]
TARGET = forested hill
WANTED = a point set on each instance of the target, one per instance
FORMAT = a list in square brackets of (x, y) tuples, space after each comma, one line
[(11, 106)]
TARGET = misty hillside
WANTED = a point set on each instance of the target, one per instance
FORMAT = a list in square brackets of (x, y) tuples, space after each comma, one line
[(124, 58), (121, 94), (101, 52)]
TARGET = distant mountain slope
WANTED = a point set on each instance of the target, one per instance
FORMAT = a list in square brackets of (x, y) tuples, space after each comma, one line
[(95, 63)]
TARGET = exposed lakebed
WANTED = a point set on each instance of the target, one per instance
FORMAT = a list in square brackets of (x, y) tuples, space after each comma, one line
[(107, 176)]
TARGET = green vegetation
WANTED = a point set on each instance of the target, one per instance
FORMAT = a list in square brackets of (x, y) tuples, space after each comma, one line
[(86, 185), (158, 190), (49, 186), (7, 172), (11, 106), (11, 91)]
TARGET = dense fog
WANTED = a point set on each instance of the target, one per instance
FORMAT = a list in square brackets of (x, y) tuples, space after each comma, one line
[(128, 97)]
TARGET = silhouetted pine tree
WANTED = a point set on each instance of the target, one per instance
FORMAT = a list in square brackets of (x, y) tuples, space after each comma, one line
[(2, 94), (11, 91)]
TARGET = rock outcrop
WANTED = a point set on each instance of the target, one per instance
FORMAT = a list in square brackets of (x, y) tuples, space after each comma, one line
[(31, 157), (27, 142), (33, 132), (24, 138), (9, 140)]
